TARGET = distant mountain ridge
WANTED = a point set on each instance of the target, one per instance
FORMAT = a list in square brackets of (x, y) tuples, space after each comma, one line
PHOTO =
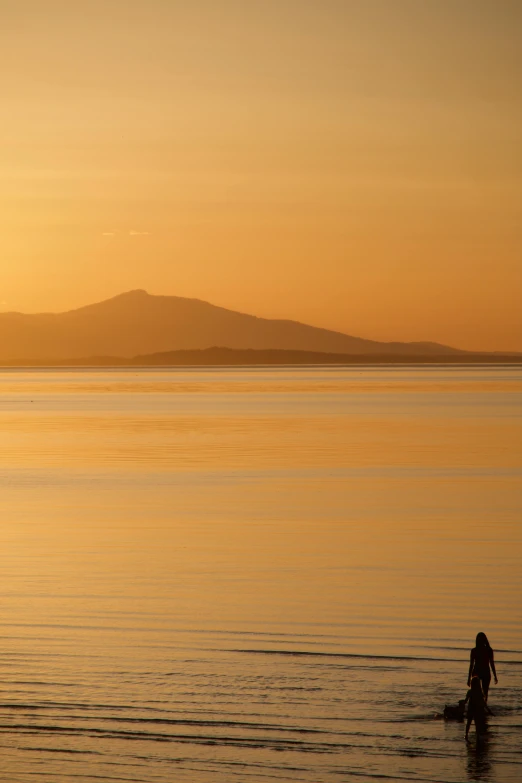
[(251, 357), (137, 323)]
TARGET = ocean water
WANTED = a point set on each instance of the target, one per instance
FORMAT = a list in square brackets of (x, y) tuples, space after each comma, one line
[(258, 575)]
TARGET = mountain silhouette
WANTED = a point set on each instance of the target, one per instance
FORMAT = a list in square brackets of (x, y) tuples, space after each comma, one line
[(136, 323)]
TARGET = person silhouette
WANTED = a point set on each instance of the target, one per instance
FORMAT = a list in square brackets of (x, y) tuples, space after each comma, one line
[(477, 707), (480, 661)]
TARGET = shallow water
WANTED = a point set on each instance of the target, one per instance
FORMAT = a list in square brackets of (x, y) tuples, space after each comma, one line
[(255, 575)]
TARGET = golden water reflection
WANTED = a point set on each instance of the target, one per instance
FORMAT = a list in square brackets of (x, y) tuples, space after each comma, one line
[(250, 556)]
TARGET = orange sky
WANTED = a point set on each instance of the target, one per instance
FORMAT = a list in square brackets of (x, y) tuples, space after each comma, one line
[(356, 164)]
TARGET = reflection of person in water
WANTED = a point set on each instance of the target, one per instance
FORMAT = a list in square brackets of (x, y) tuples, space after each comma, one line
[(478, 762), (480, 661), (477, 707)]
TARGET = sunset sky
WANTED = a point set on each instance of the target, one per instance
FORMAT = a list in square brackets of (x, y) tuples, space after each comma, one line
[(355, 164)]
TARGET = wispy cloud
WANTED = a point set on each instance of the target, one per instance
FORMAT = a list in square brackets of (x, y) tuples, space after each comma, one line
[(132, 233)]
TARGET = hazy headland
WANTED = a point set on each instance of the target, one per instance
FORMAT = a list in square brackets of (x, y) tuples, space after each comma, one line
[(139, 329)]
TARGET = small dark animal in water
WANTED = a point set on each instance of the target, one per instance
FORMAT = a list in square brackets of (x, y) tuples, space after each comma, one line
[(455, 712)]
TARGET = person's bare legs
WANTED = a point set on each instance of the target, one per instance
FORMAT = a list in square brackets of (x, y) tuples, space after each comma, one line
[(485, 687)]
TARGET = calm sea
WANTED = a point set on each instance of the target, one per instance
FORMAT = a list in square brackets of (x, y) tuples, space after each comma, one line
[(258, 575)]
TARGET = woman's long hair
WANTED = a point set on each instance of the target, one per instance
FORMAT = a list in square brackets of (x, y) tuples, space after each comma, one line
[(482, 641)]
